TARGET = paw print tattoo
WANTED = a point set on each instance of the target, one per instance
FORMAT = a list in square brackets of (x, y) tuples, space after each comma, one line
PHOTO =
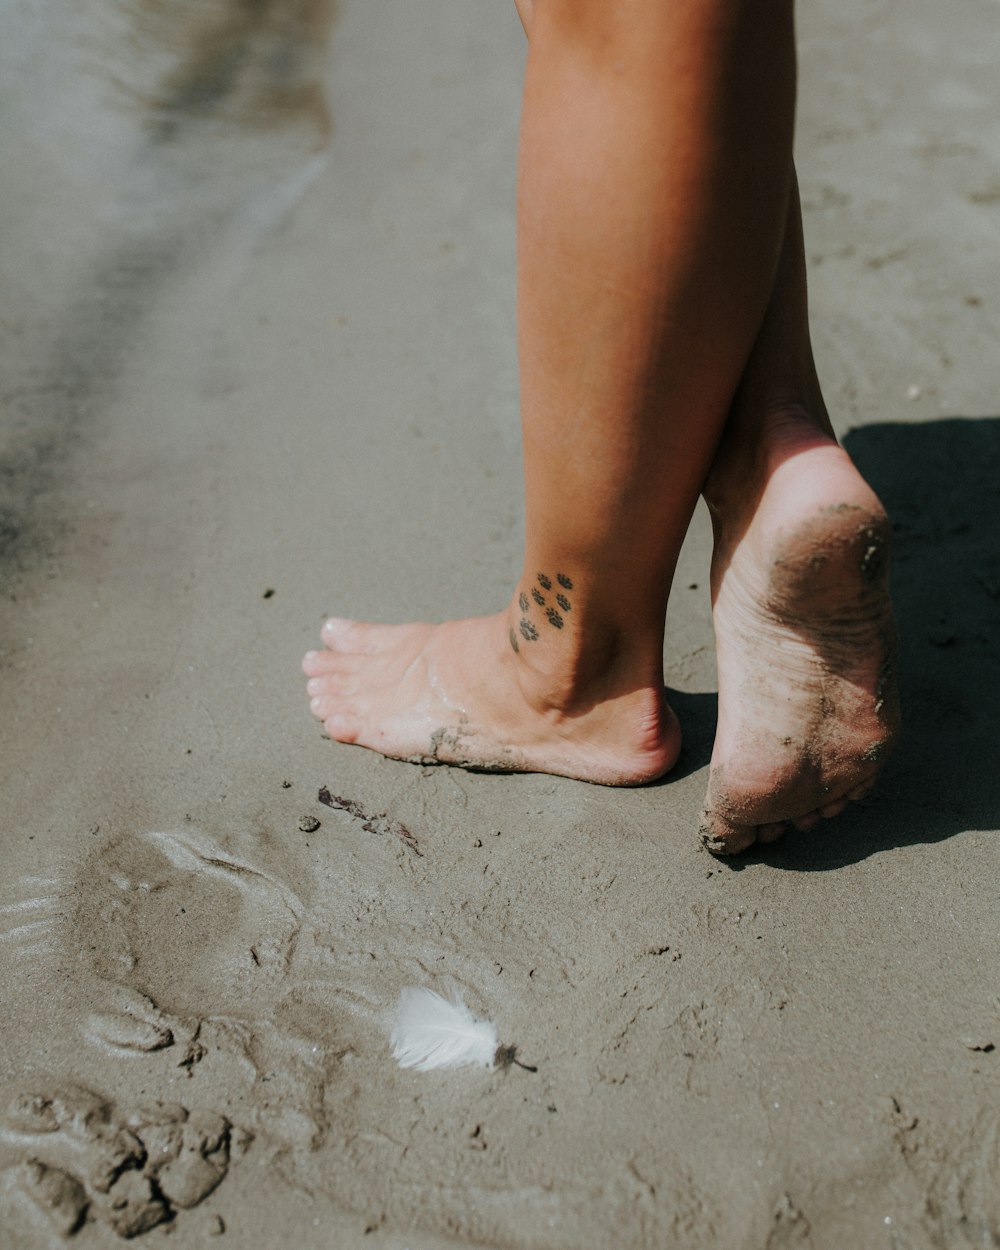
[(554, 616)]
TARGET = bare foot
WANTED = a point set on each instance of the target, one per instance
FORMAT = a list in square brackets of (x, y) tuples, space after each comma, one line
[(804, 633), (487, 694)]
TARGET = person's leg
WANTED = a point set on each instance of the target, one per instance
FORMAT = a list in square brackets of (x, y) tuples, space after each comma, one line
[(804, 631), (654, 175)]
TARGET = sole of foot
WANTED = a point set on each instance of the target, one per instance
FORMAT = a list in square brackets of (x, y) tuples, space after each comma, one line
[(458, 694), (805, 640)]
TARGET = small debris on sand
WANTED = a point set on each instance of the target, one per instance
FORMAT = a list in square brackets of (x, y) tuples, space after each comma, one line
[(378, 823)]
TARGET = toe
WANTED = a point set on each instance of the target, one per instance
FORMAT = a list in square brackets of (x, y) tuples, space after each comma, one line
[(341, 634), (322, 706), (326, 686), (338, 626), (341, 727), (770, 833), (316, 663), (861, 791), (833, 809), (809, 821), (722, 837), (358, 637)]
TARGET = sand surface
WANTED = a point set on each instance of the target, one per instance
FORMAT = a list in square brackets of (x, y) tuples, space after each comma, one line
[(258, 366)]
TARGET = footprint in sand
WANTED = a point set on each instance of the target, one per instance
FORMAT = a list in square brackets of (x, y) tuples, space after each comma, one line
[(194, 944), (238, 962), (129, 1168), (188, 924), (954, 1166), (189, 946), (54, 1195)]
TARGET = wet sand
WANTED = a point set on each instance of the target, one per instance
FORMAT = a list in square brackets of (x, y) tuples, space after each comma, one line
[(258, 367)]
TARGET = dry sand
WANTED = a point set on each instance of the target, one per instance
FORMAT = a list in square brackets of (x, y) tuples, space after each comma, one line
[(258, 366)]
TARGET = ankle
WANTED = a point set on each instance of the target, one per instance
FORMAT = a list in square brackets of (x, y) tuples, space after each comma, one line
[(574, 666), (751, 452)]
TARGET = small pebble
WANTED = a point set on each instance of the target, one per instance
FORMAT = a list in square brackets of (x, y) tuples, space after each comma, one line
[(308, 824), (913, 392)]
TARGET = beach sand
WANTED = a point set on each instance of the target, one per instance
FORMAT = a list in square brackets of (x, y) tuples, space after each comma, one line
[(259, 367)]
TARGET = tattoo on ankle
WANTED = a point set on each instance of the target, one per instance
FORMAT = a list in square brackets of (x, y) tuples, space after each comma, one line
[(529, 631)]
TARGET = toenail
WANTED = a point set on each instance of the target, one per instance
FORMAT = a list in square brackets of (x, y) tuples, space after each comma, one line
[(311, 655), (312, 685), (314, 705)]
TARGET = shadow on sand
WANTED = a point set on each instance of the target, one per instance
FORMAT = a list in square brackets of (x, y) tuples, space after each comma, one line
[(940, 482), (698, 714)]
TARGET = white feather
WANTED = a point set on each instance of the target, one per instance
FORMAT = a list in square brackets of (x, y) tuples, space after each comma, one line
[(431, 1032)]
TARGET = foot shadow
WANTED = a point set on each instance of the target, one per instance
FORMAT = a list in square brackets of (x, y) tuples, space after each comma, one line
[(940, 482), (698, 714)]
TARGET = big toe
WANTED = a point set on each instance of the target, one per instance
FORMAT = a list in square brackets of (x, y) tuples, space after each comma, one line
[(725, 837), (347, 637)]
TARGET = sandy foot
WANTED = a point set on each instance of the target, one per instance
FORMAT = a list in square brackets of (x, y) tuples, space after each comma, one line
[(805, 639), (458, 693)]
